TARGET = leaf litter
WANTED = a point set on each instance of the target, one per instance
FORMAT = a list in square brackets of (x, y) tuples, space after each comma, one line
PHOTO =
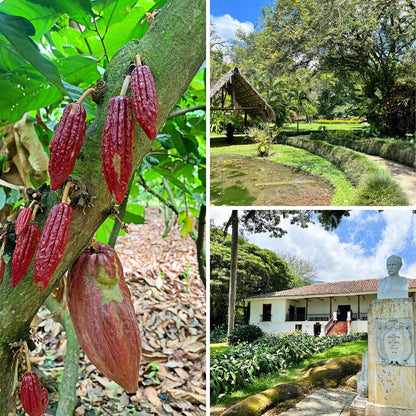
[(169, 301)]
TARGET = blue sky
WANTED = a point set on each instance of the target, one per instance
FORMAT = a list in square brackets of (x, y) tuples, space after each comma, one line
[(357, 249), (229, 15)]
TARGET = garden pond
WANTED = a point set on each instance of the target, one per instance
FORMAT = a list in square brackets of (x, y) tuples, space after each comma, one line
[(238, 180)]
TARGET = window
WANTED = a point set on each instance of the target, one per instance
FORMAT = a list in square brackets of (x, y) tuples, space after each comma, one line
[(267, 312), (298, 327)]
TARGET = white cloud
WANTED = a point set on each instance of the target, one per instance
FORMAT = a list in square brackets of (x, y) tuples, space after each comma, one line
[(226, 26)]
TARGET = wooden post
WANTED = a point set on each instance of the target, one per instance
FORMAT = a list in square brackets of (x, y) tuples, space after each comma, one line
[(358, 317)]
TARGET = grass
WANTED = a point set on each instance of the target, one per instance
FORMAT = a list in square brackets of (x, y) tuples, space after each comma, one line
[(218, 348), (291, 374), (299, 158), (315, 126)]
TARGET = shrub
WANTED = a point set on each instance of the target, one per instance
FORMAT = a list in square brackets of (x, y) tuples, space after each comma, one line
[(238, 365), (392, 149), (219, 334), (245, 333), (354, 120), (360, 170)]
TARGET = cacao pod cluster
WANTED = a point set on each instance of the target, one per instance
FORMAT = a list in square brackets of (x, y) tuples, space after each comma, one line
[(118, 134), (102, 312), (50, 244)]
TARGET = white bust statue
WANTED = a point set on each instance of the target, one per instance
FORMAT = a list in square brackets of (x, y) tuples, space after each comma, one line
[(394, 285)]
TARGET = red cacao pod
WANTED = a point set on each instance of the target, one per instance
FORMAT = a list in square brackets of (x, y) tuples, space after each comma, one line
[(52, 243), (66, 144), (103, 315), (23, 253), (34, 398), (2, 267), (117, 146), (144, 98), (22, 221)]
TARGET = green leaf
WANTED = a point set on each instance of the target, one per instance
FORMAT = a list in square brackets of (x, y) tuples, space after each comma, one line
[(28, 49), (79, 69), (40, 17), (75, 92), (104, 232), (13, 197), (2, 198), (188, 224), (165, 141), (134, 214), (76, 9)]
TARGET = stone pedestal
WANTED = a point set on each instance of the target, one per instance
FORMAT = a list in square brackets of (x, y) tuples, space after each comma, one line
[(391, 360)]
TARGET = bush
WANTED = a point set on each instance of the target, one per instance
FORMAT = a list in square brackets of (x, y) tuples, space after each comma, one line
[(354, 120), (392, 149), (245, 333), (219, 334), (359, 169), (238, 365)]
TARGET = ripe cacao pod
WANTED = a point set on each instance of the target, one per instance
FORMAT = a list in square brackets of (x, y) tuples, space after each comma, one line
[(52, 243), (117, 146), (144, 98), (23, 253), (22, 220), (2, 267), (102, 312), (34, 398), (66, 144)]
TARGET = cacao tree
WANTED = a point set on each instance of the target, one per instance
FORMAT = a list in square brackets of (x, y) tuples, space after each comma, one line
[(173, 44)]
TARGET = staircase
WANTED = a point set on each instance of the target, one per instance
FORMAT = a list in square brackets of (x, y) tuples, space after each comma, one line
[(339, 328)]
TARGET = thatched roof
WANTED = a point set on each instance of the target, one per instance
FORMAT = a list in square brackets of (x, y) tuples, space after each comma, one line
[(248, 98)]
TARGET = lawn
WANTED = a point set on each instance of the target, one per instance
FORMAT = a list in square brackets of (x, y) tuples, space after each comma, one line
[(291, 374), (299, 158), (218, 348), (315, 126)]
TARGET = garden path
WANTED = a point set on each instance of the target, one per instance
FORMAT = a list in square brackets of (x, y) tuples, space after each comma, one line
[(405, 176), (329, 402)]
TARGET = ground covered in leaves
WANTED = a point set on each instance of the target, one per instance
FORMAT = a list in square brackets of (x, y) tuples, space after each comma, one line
[(169, 300)]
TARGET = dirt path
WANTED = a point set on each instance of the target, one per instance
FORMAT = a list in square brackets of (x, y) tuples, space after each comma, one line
[(405, 176)]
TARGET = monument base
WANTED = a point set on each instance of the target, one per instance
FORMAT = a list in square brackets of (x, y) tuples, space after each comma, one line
[(358, 407), (377, 410)]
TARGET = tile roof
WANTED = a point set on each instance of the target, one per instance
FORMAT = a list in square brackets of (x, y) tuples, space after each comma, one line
[(331, 288)]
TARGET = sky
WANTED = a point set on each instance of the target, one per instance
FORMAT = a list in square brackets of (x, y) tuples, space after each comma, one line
[(229, 15), (356, 250)]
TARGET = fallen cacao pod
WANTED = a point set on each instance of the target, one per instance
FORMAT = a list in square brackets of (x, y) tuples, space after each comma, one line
[(52, 243), (144, 99), (102, 312), (34, 398), (23, 253), (22, 221), (117, 145)]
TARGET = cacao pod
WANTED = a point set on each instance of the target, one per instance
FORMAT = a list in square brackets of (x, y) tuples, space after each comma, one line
[(66, 144), (52, 243), (117, 146), (23, 253), (22, 220), (34, 398), (102, 312), (144, 98), (2, 267)]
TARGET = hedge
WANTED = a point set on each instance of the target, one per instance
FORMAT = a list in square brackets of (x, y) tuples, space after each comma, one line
[(239, 365), (360, 170), (391, 149)]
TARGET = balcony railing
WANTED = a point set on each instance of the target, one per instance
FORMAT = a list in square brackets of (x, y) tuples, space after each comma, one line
[(308, 317), (266, 318), (359, 316)]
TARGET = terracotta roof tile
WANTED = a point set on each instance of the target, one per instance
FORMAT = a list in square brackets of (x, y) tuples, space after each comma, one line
[(331, 288)]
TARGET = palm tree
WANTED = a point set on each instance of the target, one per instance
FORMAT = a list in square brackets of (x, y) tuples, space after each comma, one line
[(298, 98)]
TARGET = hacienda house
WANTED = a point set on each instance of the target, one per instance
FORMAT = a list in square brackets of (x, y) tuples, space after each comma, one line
[(319, 309)]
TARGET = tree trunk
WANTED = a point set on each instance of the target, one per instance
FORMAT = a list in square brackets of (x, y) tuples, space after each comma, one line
[(233, 272), (175, 50)]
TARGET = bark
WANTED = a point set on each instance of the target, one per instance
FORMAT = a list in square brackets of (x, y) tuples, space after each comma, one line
[(175, 50), (233, 271), (68, 386)]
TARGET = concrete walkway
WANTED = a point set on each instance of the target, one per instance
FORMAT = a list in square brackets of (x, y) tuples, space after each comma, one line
[(328, 402), (404, 175)]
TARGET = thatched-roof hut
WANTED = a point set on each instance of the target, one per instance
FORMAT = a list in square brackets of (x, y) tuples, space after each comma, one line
[(243, 96)]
